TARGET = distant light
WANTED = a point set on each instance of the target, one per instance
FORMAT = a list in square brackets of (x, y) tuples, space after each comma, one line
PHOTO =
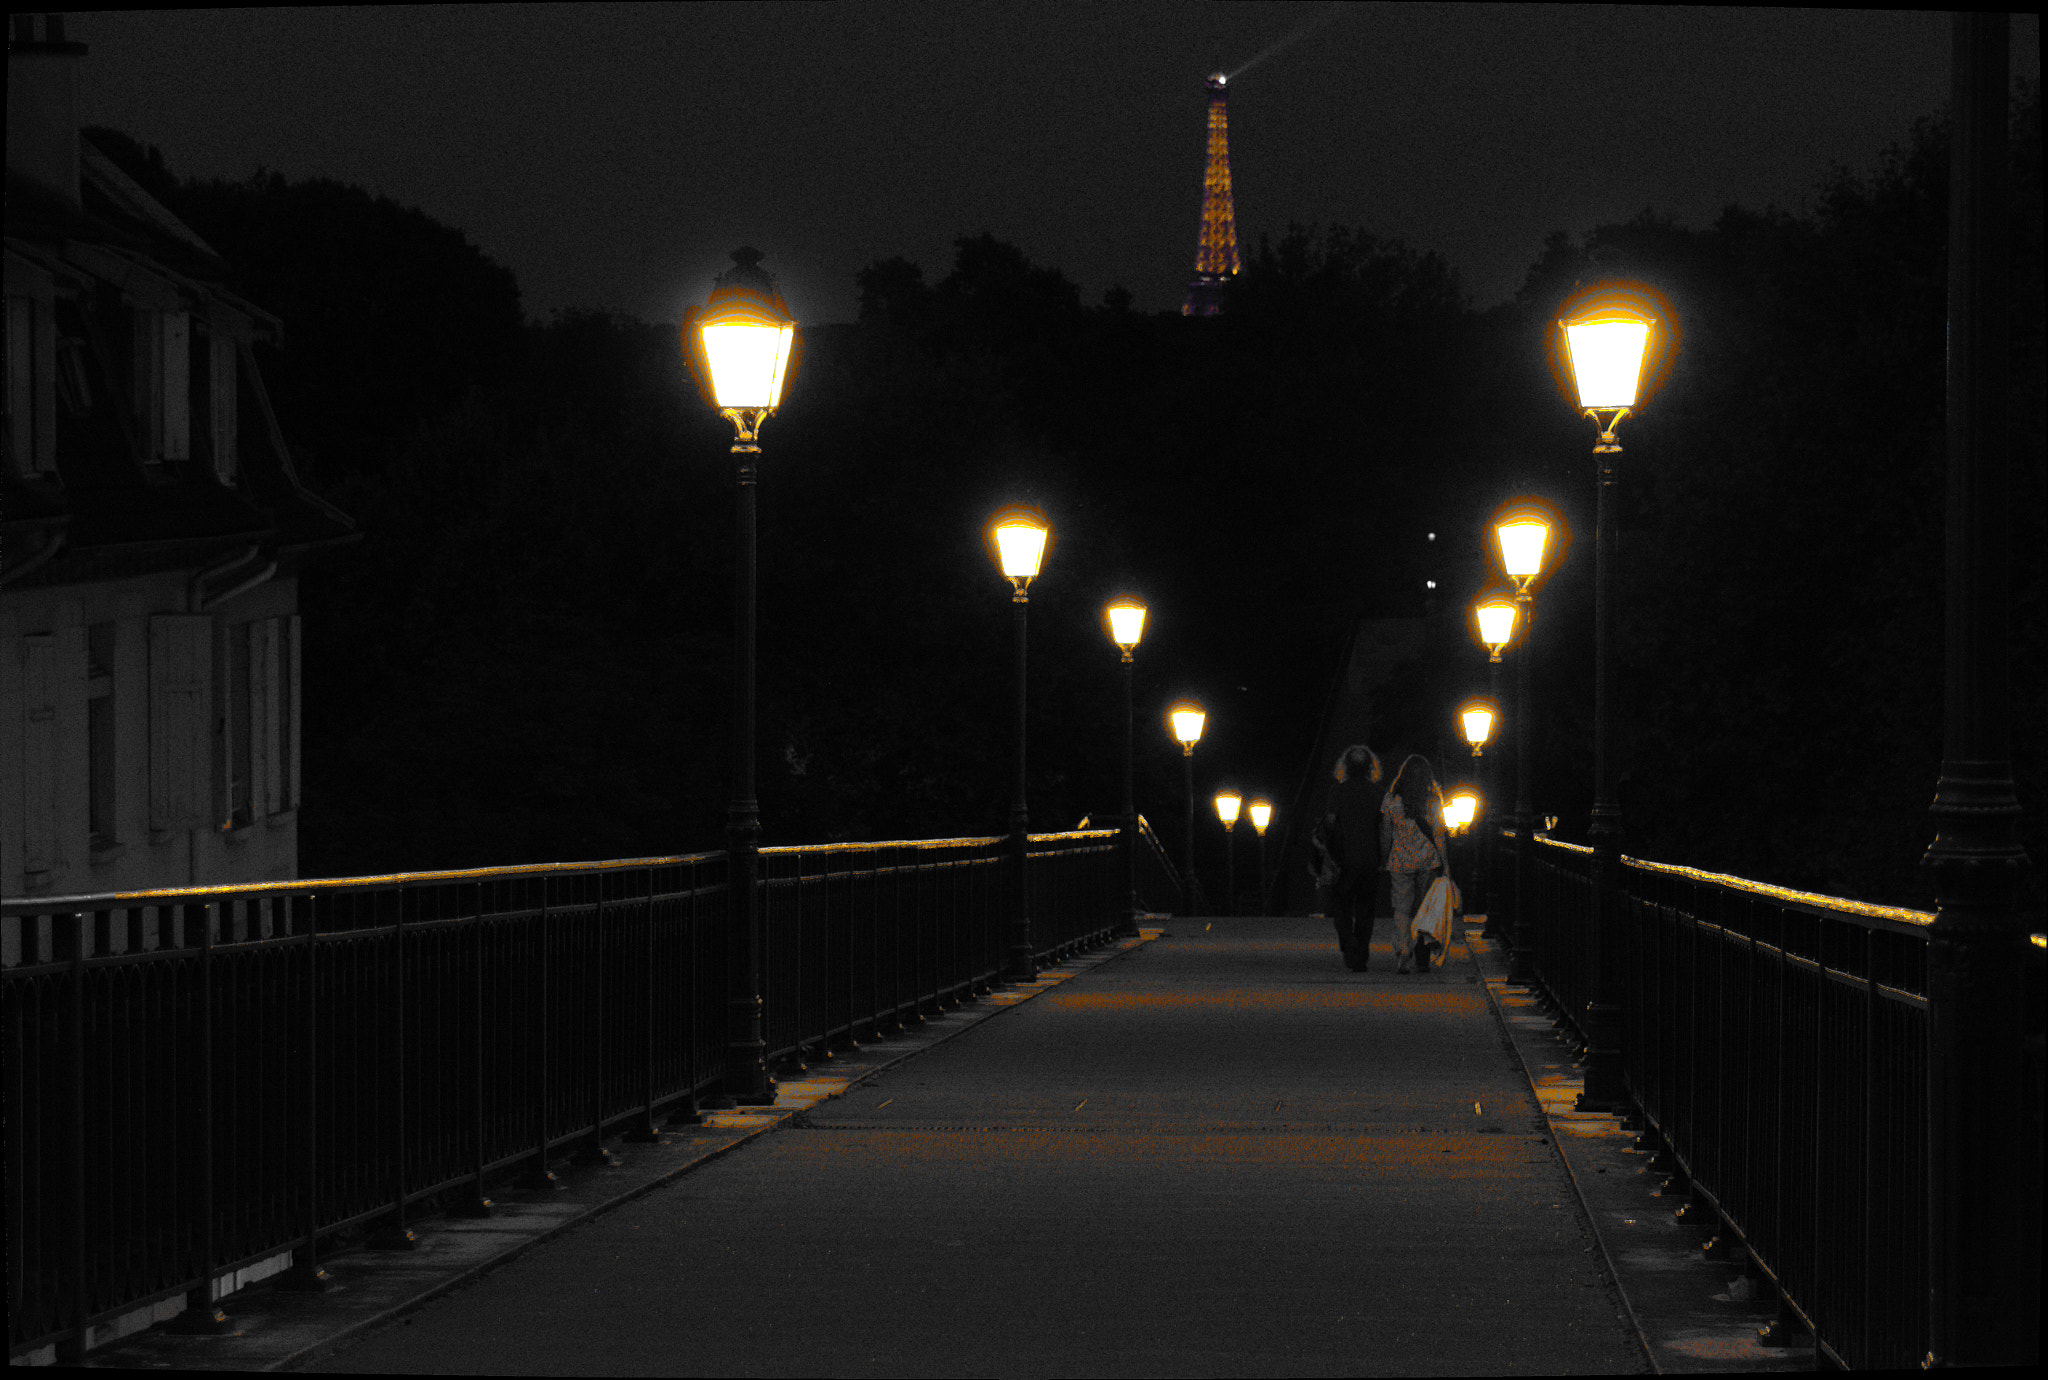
[(1432, 536), (1261, 812), (1496, 624), (1126, 622), (1227, 803), (1521, 546), (1430, 583)]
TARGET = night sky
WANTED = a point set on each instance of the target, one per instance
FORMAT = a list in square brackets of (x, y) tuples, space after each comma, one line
[(611, 154)]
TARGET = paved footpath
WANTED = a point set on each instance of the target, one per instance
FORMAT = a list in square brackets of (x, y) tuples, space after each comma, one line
[(1219, 1154)]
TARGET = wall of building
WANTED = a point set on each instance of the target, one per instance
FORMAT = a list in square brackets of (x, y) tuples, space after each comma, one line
[(230, 814)]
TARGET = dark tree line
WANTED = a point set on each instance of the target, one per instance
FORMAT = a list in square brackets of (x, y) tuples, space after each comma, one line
[(527, 656)]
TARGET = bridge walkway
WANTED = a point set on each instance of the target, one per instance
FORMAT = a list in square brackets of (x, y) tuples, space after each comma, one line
[(1222, 1154), (1213, 1151)]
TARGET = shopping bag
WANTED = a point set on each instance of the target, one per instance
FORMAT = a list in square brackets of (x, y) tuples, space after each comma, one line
[(1433, 917)]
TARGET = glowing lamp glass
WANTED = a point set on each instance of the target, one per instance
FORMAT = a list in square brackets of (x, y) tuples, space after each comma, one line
[(1607, 360), (1187, 724), (1261, 813), (1478, 725), (1021, 545), (1497, 623), (1227, 804), (1521, 546), (748, 356), (1126, 624)]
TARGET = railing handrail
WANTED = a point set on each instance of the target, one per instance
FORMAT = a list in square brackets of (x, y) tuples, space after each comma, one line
[(102, 899), (1843, 904)]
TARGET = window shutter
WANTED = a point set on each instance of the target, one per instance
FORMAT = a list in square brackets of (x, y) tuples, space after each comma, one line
[(21, 380), (265, 797), (39, 753), (176, 398), (223, 410), (293, 725), (180, 682)]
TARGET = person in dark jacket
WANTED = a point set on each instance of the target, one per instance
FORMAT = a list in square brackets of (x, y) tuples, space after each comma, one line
[(1350, 830)]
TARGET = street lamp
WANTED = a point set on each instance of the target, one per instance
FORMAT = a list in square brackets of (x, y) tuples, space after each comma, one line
[(1497, 618), (740, 347), (1607, 342), (1522, 533), (1228, 802), (1260, 810), (1477, 715), (1185, 719), (1124, 619), (1018, 537)]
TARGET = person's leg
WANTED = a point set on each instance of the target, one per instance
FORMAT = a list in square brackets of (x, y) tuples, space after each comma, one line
[(1404, 897), (1340, 906)]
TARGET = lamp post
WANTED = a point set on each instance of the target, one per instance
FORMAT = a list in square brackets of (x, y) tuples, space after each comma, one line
[(1496, 617), (1984, 1251), (739, 347), (1228, 803), (1522, 536), (1606, 344), (1124, 617), (1260, 811), (1018, 536), (1185, 719)]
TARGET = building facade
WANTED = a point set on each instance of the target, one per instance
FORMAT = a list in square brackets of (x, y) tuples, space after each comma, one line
[(152, 531)]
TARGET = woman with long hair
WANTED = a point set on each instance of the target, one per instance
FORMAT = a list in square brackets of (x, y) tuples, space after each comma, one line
[(1412, 849)]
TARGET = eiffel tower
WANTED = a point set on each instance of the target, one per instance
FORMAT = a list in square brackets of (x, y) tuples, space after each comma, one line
[(1216, 256)]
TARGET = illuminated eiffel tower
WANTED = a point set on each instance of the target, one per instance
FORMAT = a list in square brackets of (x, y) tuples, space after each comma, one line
[(1216, 256)]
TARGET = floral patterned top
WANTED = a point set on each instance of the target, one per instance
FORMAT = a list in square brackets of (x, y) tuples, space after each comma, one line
[(1412, 850)]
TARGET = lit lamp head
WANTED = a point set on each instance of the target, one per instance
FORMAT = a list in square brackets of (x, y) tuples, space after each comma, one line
[(1522, 537), (1261, 812), (1228, 802), (740, 345), (1185, 719), (1017, 538), (1125, 619), (1496, 625), (1606, 344), (1477, 714), (1460, 810)]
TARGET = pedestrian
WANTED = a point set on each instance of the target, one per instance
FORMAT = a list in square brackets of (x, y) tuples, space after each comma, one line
[(1348, 829), (1411, 854)]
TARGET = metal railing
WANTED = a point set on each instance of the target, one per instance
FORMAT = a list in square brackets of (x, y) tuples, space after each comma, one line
[(1774, 1045), (201, 1079)]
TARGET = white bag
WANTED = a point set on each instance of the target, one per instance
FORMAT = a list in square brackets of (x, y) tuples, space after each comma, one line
[(1433, 917)]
